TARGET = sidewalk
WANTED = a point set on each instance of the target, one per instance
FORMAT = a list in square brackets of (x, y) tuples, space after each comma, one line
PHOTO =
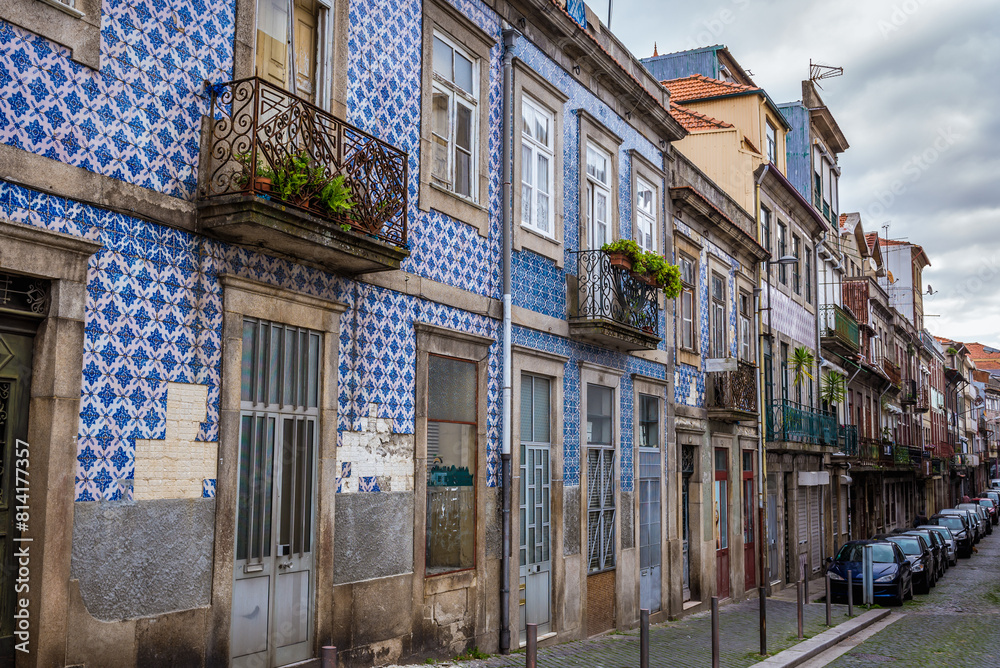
[(684, 643)]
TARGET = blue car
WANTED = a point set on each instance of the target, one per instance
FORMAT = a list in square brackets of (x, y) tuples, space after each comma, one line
[(893, 578)]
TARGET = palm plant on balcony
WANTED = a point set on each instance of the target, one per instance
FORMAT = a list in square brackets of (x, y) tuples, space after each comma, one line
[(801, 362), (833, 390)]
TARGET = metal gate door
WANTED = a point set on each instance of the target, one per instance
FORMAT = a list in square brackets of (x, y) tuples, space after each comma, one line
[(536, 564), (773, 568), (722, 521), (749, 523), (687, 470), (649, 530), (15, 385), (272, 604)]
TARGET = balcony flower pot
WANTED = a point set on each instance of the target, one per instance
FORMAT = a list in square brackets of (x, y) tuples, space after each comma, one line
[(620, 260), (262, 184)]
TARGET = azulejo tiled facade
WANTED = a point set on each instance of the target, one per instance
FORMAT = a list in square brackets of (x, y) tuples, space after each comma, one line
[(156, 330)]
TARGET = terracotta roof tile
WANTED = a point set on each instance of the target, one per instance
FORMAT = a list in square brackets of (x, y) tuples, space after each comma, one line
[(871, 237), (699, 87), (693, 120)]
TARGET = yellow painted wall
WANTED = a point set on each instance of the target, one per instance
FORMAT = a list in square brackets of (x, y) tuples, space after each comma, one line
[(718, 154), (748, 114)]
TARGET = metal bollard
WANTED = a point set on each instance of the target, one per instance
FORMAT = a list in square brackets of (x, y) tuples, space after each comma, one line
[(715, 632), (329, 657), (644, 639), (829, 617), (805, 581), (531, 653), (762, 602), (799, 590), (850, 594)]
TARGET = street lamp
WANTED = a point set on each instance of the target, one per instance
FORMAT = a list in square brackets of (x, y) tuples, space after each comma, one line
[(784, 259)]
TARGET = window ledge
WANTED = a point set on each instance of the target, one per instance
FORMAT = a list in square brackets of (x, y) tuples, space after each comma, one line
[(689, 357), (433, 196), (72, 11)]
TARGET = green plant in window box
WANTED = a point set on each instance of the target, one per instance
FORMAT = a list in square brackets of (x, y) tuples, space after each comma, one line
[(259, 178), (624, 253)]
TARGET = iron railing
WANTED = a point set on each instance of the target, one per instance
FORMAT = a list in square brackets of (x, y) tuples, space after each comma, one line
[(869, 450), (923, 402), (615, 293), (901, 455), (270, 143), (733, 390), (798, 423), (838, 324), (848, 440), (909, 395)]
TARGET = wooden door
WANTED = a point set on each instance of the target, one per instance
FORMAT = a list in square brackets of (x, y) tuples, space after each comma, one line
[(721, 521), (272, 41), (749, 522)]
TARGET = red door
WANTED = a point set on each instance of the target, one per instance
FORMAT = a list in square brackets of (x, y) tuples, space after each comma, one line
[(721, 521), (749, 518)]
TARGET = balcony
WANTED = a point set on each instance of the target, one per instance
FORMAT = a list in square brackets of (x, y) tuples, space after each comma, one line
[(839, 329), (790, 422), (923, 402), (892, 371), (869, 451), (285, 177), (731, 396), (847, 440), (612, 307), (909, 395)]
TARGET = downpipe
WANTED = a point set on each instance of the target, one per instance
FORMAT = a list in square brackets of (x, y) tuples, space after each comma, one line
[(509, 39)]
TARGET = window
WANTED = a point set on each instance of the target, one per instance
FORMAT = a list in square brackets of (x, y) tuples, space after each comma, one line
[(649, 421), (689, 283), (784, 371), (454, 119), (719, 320), (600, 479), (809, 274), (275, 32), (772, 144), (537, 165), (768, 370), (796, 274), (451, 464), (782, 251), (721, 499), (645, 215), (746, 345), (765, 228), (535, 392), (598, 197)]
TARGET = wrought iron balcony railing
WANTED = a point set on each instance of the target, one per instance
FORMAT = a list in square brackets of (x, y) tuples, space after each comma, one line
[(838, 325), (270, 143), (793, 422), (614, 307), (869, 450), (901, 455), (848, 440), (909, 395), (923, 402), (732, 393)]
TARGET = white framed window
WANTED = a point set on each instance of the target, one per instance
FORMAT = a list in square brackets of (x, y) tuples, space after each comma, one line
[(689, 283), (645, 215), (772, 143), (537, 166), (599, 200), (746, 344), (718, 322), (454, 117), (600, 479)]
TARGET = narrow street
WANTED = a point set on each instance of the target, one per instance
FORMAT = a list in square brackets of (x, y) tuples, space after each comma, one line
[(956, 625)]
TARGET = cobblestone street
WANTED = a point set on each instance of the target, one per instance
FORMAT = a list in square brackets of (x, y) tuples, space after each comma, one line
[(956, 625)]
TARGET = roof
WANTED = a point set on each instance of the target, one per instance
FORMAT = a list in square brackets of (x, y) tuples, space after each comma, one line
[(694, 121), (765, 171), (872, 239), (699, 88), (918, 250)]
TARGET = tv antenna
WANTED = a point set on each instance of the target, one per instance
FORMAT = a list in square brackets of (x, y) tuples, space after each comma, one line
[(818, 72)]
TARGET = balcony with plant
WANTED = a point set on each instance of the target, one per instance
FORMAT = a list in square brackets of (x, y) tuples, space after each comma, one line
[(287, 177)]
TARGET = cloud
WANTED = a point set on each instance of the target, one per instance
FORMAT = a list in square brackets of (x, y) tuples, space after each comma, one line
[(915, 71)]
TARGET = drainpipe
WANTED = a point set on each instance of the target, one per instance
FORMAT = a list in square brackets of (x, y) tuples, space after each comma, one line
[(509, 39), (765, 579)]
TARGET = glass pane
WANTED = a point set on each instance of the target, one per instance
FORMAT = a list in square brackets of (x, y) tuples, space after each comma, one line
[(526, 403), (599, 415), (463, 127), (720, 460), (263, 334), (543, 213), (451, 500), (527, 118), (542, 128), (541, 410), (313, 371), (274, 365), (442, 58), (298, 521), (243, 501), (287, 471), (268, 486), (307, 481), (246, 364), (463, 73), (543, 173), (451, 390), (597, 165), (463, 176)]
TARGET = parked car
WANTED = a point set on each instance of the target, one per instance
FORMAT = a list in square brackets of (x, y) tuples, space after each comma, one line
[(960, 530), (991, 507), (995, 495), (985, 525), (970, 518), (921, 559), (995, 483), (938, 549), (949, 541), (892, 575)]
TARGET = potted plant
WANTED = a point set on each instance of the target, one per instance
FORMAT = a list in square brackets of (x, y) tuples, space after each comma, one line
[(335, 196), (801, 362), (258, 177), (664, 275), (622, 253), (833, 390)]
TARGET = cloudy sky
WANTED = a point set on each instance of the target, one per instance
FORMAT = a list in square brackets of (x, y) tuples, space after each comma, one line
[(919, 103)]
